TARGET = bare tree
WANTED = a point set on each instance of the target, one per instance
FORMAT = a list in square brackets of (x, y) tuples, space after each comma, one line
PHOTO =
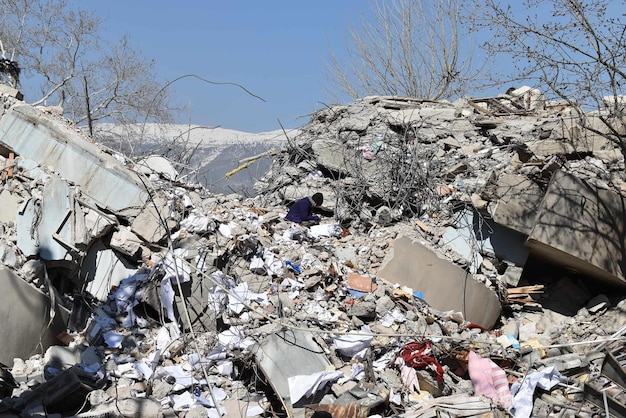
[(415, 48), (574, 50), (65, 62)]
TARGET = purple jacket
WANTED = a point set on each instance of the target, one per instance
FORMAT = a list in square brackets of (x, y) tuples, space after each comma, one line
[(302, 210)]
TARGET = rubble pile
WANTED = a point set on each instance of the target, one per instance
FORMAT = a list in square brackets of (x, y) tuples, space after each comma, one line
[(467, 263)]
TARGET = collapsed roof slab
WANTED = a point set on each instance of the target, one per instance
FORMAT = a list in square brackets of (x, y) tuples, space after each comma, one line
[(582, 226), (39, 137), (445, 286), (26, 319)]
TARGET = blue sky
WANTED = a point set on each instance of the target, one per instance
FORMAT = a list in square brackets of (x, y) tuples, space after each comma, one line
[(276, 49)]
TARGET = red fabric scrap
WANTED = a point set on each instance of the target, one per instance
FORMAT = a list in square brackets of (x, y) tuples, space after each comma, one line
[(418, 355)]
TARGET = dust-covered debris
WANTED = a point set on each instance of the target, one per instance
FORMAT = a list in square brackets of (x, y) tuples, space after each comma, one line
[(416, 295)]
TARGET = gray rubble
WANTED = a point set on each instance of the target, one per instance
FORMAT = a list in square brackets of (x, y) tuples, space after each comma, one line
[(470, 257)]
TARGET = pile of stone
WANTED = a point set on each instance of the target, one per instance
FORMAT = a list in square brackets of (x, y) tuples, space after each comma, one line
[(128, 293)]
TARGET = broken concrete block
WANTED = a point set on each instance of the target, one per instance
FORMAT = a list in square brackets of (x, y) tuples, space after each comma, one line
[(474, 235), (444, 285), (8, 208), (40, 227), (511, 276), (97, 225), (516, 200), (154, 223), (546, 147), (583, 227), (11, 92), (456, 170), (598, 304), (126, 242)]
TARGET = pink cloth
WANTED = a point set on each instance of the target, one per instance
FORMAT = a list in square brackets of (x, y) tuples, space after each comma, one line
[(489, 380)]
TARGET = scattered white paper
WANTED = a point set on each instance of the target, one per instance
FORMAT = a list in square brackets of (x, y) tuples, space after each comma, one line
[(183, 379), (306, 385), (354, 346)]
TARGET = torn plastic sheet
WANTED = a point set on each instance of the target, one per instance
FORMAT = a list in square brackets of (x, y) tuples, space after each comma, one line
[(167, 298), (410, 382), (186, 400), (306, 385), (254, 410), (354, 346), (218, 297), (175, 267), (523, 392), (241, 296), (294, 233), (382, 362), (167, 333), (294, 286), (113, 339), (234, 337), (197, 222), (143, 368), (323, 315), (226, 229), (183, 379), (309, 261), (225, 368), (273, 264), (357, 373), (326, 230), (390, 318), (125, 294), (257, 265), (253, 219)]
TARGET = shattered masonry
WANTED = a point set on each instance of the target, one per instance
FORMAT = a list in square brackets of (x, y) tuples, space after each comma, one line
[(470, 258)]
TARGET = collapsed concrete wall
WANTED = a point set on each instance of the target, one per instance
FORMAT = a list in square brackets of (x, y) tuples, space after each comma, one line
[(582, 226)]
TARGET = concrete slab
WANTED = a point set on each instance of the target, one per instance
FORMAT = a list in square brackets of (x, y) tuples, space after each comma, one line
[(51, 143), (149, 223), (8, 207), (517, 199), (582, 227), (444, 285), (26, 312), (287, 354)]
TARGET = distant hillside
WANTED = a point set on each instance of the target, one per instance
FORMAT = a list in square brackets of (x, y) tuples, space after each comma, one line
[(201, 154)]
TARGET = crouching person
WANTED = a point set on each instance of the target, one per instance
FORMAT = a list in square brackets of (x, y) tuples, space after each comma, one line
[(301, 212)]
